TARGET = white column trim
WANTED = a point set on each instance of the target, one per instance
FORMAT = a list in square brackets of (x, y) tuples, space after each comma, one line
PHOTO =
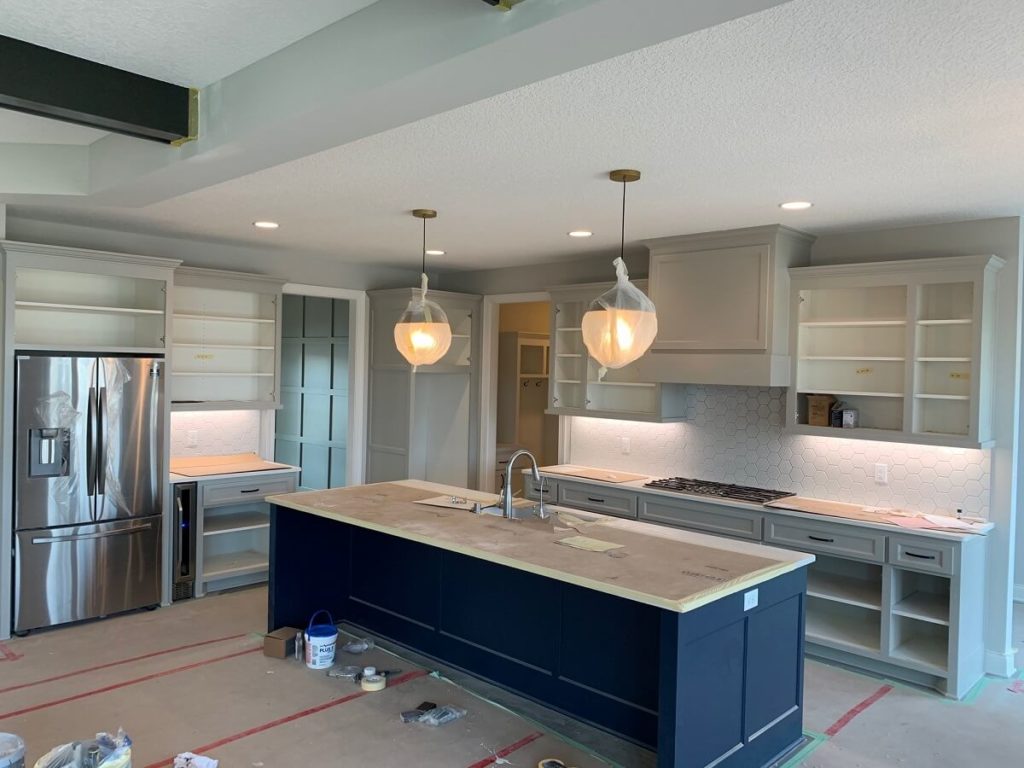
[(358, 370)]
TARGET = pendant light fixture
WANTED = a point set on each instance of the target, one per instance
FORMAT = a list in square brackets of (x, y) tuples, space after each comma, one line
[(620, 325), (423, 334)]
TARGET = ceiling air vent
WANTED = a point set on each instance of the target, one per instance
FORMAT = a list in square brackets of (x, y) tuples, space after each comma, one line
[(503, 5)]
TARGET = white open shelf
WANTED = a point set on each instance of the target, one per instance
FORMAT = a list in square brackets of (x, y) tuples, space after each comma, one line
[(947, 321), (855, 359), (224, 318), (215, 525), (849, 392), (234, 564), (852, 323), (202, 345), (925, 396), (844, 589), (55, 307), (924, 606), (842, 626)]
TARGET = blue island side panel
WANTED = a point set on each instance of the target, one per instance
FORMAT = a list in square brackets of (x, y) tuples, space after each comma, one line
[(729, 680)]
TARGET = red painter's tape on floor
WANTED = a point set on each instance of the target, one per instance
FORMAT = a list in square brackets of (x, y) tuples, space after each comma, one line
[(506, 751), (65, 675), (6, 654), (125, 684), (288, 719), (844, 721)]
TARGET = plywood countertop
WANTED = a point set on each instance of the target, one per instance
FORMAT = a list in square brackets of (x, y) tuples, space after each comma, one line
[(671, 569)]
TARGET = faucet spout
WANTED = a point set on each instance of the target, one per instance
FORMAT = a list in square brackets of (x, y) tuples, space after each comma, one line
[(506, 492)]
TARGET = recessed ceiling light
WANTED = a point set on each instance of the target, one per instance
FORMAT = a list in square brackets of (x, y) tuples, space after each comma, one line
[(435, 253), (796, 205), (266, 224), (580, 233)]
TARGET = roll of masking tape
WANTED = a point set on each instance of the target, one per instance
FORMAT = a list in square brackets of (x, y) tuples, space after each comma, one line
[(373, 683), (550, 762)]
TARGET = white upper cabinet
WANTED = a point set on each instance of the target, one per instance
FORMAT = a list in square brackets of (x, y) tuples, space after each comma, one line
[(722, 301), (226, 351), (906, 344), (73, 299)]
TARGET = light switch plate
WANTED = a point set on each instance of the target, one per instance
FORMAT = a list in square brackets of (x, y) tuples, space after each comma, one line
[(624, 444), (882, 474), (750, 600), (192, 438)]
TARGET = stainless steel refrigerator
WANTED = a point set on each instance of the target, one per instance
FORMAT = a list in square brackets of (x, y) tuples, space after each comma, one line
[(88, 491)]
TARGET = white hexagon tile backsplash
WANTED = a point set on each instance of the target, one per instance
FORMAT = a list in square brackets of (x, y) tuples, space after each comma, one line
[(217, 432), (737, 435)]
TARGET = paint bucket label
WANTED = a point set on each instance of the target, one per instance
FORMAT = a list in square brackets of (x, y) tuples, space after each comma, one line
[(321, 641)]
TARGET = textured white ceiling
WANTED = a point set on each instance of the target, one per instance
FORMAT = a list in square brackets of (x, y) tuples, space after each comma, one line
[(189, 42), (879, 112), (20, 128)]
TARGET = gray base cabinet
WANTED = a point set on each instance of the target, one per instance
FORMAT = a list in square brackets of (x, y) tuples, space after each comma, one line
[(907, 606), (233, 529)]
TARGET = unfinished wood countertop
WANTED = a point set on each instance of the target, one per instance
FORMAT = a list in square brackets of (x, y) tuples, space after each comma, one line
[(671, 569)]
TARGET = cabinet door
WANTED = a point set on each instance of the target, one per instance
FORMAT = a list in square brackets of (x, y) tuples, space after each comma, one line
[(716, 299)]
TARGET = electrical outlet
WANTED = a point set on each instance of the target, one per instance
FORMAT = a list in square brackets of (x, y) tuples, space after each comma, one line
[(882, 474), (192, 438), (624, 445), (750, 600)]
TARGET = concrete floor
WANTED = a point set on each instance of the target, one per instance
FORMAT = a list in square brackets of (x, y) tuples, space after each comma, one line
[(192, 677)]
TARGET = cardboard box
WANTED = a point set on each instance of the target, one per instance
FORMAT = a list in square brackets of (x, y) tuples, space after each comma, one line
[(819, 409), (280, 644)]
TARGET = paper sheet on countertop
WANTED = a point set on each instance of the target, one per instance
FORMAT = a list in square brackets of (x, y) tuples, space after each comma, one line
[(588, 544)]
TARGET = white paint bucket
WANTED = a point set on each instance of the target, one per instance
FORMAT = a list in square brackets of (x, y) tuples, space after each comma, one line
[(12, 751), (321, 640)]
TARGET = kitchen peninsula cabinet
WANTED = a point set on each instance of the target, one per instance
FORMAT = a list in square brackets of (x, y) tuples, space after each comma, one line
[(423, 422)]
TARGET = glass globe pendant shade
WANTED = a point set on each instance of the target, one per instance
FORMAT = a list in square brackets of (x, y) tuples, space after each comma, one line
[(422, 333), (621, 324)]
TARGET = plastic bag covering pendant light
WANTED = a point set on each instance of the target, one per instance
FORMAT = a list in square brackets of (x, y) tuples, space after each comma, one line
[(620, 325), (422, 333)]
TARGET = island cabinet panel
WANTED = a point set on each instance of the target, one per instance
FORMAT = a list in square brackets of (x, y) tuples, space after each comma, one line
[(719, 685), (747, 666)]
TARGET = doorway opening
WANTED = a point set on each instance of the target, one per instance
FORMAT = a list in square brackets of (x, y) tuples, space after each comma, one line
[(524, 366)]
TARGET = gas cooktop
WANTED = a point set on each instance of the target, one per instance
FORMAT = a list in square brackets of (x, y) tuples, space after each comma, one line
[(718, 490)]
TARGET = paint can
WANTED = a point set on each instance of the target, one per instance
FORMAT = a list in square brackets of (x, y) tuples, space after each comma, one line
[(321, 640), (12, 751)]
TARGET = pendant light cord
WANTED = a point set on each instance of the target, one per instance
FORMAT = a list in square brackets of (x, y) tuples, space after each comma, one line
[(423, 269), (622, 242)]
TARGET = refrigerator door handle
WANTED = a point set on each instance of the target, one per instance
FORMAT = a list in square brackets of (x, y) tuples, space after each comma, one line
[(86, 536), (90, 445), (101, 443)]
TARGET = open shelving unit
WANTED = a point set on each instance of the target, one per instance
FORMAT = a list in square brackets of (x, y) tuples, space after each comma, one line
[(226, 340), (79, 310), (899, 342)]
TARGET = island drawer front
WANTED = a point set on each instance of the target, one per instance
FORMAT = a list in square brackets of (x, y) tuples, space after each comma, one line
[(931, 556), (706, 518), (826, 538), (532, 489), (256, 489), (596, 499)]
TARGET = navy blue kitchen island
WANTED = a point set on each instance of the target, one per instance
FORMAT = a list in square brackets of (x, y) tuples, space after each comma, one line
[(687, 644)]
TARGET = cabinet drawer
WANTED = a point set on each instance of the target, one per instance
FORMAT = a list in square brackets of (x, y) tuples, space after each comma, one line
[(255, 489), (812, 536), (706, 518), (931, 556), (532, 489), (597, 499)]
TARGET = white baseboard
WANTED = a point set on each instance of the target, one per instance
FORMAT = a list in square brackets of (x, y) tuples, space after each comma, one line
[(1001, 664), (1018, 593)]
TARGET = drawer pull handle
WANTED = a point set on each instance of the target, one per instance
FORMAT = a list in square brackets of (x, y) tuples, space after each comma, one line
[(542, 490), (919, 557), (250, 490), (596, 501), (821, 538)]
